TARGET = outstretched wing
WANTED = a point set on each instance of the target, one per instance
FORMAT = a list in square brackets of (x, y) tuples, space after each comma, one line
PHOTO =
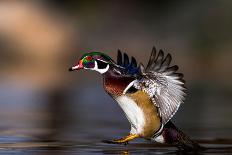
[(129, 67), (163, 84)]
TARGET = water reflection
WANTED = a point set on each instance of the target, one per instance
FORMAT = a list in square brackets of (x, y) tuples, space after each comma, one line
[(74, 147)]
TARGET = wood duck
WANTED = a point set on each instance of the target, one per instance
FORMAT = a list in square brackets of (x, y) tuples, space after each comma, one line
[(148, 96)]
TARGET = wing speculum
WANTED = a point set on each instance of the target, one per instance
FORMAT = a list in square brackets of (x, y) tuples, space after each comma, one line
[(130, 67)]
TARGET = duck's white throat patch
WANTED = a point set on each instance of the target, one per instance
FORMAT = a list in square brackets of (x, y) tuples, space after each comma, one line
[(101, 71), (133, 113)]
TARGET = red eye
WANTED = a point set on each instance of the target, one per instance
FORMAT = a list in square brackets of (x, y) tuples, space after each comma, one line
[(88, 58)]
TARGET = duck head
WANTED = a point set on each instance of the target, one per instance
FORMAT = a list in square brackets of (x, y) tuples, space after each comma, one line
[(96, 61)]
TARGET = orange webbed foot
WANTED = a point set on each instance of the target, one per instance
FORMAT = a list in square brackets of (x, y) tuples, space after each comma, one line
[(124, 140)]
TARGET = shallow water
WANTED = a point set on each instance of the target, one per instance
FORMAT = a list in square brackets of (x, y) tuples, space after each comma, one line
[(92, 145)]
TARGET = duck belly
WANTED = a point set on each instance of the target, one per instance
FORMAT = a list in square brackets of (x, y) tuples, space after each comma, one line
[(133, 112)]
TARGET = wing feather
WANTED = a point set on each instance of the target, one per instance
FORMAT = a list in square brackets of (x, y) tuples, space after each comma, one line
[(119, 58), (158, 62), (152, 58), (163, 84), (166, 62), (133, 62), (127, 67)]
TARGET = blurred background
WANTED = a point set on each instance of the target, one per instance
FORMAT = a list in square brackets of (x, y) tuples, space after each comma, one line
[(40, 39)]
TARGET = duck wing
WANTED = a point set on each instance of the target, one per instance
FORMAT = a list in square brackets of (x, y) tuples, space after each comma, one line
[(163, 84)]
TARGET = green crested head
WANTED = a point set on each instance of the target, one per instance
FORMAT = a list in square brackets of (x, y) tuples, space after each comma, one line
[(94, 61)]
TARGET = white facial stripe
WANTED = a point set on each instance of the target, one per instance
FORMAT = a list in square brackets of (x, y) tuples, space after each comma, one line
[(133, 113), (102, 71)]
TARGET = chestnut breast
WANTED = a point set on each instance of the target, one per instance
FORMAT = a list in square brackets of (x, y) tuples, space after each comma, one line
[(116, 85)]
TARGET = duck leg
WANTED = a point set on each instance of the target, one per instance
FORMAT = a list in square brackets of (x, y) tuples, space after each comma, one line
[(123, 140)]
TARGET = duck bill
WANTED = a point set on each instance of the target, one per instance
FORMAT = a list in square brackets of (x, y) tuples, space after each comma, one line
[(77, 67)]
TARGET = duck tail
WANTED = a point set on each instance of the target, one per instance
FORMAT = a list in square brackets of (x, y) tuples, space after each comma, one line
[(174, 136)]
